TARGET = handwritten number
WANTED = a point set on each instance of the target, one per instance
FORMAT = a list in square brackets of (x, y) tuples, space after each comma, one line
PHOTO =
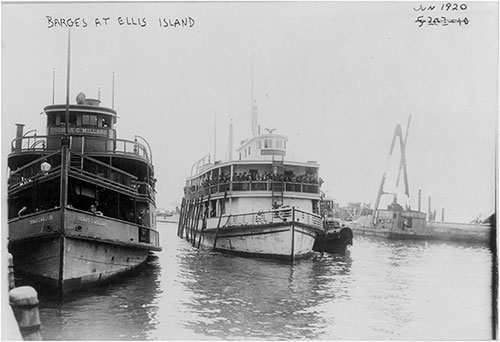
[(420, 21)]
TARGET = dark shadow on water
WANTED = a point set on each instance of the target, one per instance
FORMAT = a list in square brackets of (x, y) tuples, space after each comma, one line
[(148, 268), (121, 309)]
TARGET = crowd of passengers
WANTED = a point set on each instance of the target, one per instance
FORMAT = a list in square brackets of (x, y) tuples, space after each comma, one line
[(266, 176)]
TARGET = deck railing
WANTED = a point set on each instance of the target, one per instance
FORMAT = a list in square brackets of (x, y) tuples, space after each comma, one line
[(275, 216), (32, 171), (82, 144), (92, 167), (80, 164), (199, 190)]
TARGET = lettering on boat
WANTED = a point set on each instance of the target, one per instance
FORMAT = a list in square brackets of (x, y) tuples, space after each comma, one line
[(80, 130), (41, 219), (91, 220)]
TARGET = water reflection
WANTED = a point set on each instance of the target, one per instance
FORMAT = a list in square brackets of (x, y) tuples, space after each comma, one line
[(125, 309), (381, 290), (253, 298)]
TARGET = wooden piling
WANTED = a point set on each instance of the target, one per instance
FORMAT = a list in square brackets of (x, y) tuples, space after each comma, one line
[(189, 219), (179, 231), (24, 303), (197, 223), (218, 224), (12, 282), (292, 254), (204, 220)]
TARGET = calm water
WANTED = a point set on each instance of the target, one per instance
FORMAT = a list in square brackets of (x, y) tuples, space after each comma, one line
[(381, 290)]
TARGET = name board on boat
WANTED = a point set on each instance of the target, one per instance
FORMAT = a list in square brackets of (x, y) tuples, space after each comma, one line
[(413, 214), (270, 151), (41, 219), (90, 220), (80, 130)]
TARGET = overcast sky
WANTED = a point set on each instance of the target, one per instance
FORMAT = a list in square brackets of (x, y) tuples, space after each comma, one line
[(335, 77)]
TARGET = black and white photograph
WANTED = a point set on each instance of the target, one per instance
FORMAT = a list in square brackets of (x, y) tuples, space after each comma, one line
[(249, 170)]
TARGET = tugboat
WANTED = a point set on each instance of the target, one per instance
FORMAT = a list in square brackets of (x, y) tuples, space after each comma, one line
[(81, 202), (256, 205), (336, 236)]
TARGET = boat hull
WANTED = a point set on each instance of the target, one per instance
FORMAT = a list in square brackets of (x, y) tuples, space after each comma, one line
[(422, 230), (277, 241), (334, 241), (84, 251), (64, 264), (480, 234)]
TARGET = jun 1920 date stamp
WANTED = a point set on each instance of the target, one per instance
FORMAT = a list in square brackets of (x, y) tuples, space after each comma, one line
[(442, 14)]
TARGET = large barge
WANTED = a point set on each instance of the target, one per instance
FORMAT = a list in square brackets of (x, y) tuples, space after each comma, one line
[(81, 202), (398, 222), (258, 204)]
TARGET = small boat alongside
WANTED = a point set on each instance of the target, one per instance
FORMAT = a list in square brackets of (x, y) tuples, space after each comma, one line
[(335, 239), (336, 235), (258, 205), (81, 202)]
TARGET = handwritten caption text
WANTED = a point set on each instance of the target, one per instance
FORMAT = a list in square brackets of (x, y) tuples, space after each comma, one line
[(443, 14), (81, 22)]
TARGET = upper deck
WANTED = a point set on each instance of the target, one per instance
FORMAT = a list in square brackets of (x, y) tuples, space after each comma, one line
[(259, 175), (91, 129)]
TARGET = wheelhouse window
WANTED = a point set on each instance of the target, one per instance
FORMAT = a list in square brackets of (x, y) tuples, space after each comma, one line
[(106, 121), (72, 119), (268, 143), (51, 119), (89, 120)]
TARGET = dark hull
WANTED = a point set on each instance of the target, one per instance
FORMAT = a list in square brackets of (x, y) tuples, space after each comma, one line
[(335, 241), (80, 263), (63, 260)]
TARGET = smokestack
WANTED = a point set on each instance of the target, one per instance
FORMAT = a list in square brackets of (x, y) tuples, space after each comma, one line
[(254, 119), (419, 199), (430, 212), (230, 147), (442, 215), (19, 134)]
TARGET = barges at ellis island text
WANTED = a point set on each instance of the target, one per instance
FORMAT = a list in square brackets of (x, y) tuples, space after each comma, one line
[(81, 22)]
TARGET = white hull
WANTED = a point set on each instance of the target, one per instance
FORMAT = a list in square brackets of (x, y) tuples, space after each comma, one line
[(273, 238)]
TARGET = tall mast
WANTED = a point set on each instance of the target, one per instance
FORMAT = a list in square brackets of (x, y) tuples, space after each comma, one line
[(53, 84), (215, 137), (113, 92), (230, 147), (254, 106), (67, 84), (63, 192)]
